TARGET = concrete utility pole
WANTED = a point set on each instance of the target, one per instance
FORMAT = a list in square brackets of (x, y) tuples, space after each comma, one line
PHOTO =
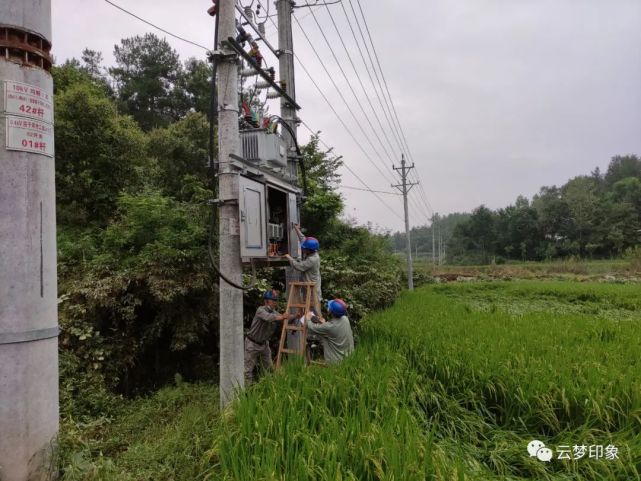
[(231, 298), (440, 246), (28, 290), (286, 74), (433, 244), (405, 187), (284, 9)]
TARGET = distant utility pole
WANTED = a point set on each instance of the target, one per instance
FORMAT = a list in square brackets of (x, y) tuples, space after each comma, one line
[(231, 298), (28, 280), (440, 246), (433, 242), (405, 187)]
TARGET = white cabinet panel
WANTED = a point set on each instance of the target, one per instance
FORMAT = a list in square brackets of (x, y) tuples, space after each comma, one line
[(253, 241)]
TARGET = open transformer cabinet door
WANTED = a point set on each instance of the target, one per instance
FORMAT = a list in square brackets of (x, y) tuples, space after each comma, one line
[(267, 215), (294, 217)]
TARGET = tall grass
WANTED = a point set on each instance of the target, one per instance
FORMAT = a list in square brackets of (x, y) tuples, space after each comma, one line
[(451, 383), (441, 390)]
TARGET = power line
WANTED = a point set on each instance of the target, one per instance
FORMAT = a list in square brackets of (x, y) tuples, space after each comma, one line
[(349, 84), (349, 132), (393, 108), (389, 117), (156, 26), (385, 110), (367, 187), (385, 106), (340, 119), (421, 189), (311, 44), (305, 5), (383, 131), (343, 186), (320, 91), (393, 113)]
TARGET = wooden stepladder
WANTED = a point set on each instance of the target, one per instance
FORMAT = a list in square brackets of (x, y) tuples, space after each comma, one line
[(302, 299)]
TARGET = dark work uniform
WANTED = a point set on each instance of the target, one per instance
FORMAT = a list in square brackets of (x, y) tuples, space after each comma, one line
[(336, 336), (257, 340)]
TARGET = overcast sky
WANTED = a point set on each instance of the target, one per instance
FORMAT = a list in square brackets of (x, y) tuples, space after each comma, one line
[(496, 98)]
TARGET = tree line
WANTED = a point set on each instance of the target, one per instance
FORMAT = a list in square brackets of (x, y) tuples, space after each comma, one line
[(590, 216)]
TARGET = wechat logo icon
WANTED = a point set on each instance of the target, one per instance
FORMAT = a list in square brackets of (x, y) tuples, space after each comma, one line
[(537, 449)]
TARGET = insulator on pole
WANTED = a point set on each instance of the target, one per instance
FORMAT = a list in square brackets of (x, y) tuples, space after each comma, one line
[(249, 13), (261, 28), (272, 94), (248, 72), (262, 85)]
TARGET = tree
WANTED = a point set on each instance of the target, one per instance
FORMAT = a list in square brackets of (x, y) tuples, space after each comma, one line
[(180, 150), (517, 230), (147, 78), (474, 240), (554, 221), (323, 203), (92, 63), (620, 227), (621, 167), (143, 302), (196, 83), (98, 155), (581, 196)]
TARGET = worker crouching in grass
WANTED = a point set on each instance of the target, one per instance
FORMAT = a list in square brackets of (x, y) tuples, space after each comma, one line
[(263, 326), (335, 334)]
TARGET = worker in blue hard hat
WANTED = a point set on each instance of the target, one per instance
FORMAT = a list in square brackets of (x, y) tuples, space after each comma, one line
[(309, 265), (262, 328), (335, 334)]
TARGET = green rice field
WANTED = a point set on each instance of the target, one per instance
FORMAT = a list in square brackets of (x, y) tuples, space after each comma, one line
[(451, 383)]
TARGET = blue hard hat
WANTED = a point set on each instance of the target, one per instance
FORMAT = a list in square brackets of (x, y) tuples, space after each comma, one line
[(271, 295), (338, 307), (310, 243)]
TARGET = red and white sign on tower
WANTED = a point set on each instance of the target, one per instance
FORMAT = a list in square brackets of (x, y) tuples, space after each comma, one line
[(29, 118), (28, 101)]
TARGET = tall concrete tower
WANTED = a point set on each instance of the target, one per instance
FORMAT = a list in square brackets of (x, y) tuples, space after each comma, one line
[(28, 290)]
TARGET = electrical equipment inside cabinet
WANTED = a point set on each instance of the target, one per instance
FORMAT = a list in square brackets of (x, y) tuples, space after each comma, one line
[(276, 222)]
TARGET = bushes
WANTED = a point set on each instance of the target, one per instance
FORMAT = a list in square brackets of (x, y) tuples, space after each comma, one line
[(141, 295), (361, 270), (365, 287)]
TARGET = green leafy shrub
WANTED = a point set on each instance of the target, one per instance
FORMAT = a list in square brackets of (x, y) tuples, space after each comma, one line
[(145, 296)]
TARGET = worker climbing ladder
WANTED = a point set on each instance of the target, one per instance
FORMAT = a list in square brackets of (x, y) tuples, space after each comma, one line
[(302, 299)]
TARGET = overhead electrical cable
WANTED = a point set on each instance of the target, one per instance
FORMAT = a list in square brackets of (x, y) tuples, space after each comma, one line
[(392, 108), (385, 108), (367, 187), (369, 74), (402, 133), (306, 5), (311, 44), (156, 26), (343, 186), (340, 119), (367, 97), (349, 84), (349, 132), (384, 104)]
